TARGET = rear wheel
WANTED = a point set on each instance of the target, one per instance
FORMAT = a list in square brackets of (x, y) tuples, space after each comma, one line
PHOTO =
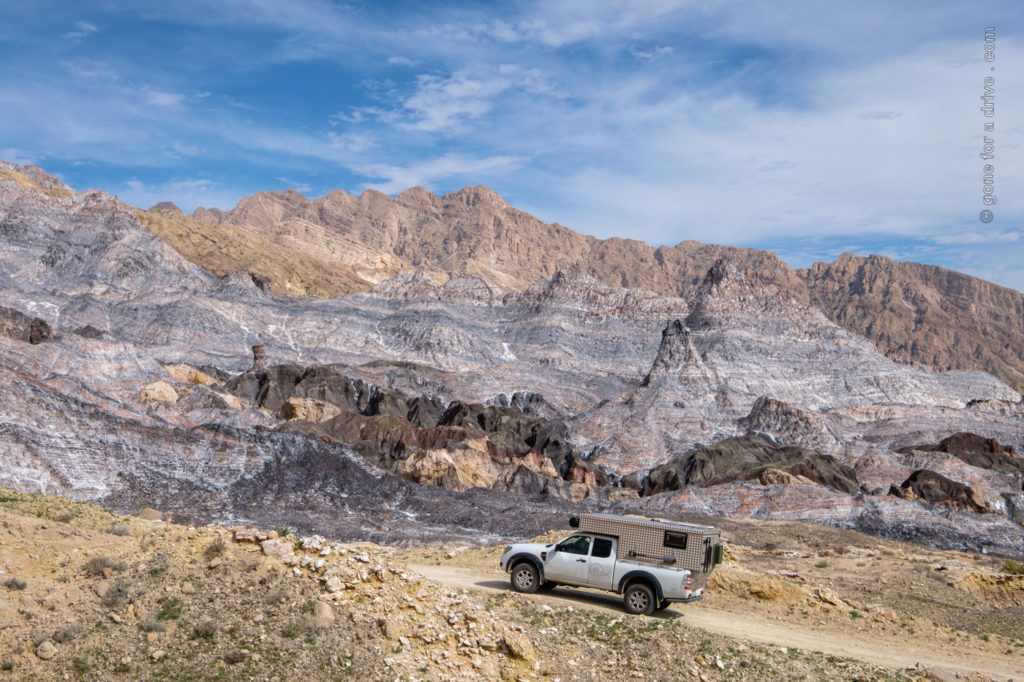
[(524, 578), (639, 598)]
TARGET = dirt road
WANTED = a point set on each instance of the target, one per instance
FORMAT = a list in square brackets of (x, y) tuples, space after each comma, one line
[(890, 651)]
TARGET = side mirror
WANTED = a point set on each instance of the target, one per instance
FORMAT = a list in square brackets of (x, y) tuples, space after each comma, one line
[(574, 522)]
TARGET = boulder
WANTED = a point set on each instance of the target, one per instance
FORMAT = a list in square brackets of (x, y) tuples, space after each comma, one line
[(323, 615), (159, 391), (934, 488), (46, 650), (307, 409), (278, 548), (190, 374)]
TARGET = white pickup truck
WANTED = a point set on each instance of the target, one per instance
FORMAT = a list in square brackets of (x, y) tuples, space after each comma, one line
[(650, 562)]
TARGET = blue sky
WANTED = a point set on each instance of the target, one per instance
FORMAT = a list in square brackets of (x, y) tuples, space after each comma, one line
[(805, 128)]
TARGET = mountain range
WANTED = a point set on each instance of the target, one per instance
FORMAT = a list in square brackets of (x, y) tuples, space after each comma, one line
[(384, 367), (340, 244)]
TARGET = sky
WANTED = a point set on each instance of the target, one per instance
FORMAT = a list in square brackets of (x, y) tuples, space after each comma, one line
[(805, 128)]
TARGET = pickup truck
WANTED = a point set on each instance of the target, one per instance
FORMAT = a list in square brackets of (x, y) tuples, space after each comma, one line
[(591, 559)]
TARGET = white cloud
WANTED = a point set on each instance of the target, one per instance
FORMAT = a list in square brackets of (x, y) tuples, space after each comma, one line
[(1005, 237), (91, 69), (159, 98), (652, 54), (402, 61), (186, 149), (300, 187), (352, 142), (187, 193), (426, 172), (82, 29), (17, 156)]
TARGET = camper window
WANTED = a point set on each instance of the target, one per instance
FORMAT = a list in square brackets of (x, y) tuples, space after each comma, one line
[(677, 540)]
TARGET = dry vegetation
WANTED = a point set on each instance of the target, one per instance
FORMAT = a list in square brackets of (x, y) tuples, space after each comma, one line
[(226, 249), (91, 595)]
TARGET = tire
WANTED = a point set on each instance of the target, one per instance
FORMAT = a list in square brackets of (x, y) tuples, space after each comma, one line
[(524, 577), (639, 599)]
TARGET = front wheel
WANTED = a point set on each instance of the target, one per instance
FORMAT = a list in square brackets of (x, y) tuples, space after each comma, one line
[(525, 578), (639, 599)]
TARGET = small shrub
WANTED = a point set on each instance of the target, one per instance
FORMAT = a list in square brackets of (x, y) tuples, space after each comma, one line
[(235, 656), (821, 564), (1013, 567), (170, 609), (283, 531), (983, 637), (118, 529), (153, 625), (80, 666), (65, 517), (856, 614), (205, 630), (15, 584), (290, 631), (214, 549), (277, 595), (117, 595), (67, 634), (308, 606), (6, 666), (98, 565)]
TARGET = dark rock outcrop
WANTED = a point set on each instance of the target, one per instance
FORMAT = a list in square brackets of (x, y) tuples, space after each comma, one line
[(749, 457), (17, 325), (934, 488), (979, 451)]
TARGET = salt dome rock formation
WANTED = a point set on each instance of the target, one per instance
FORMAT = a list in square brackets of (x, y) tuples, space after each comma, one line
[(463, 381)]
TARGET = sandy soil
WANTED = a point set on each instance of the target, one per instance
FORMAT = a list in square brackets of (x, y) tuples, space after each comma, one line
[(837, 592)]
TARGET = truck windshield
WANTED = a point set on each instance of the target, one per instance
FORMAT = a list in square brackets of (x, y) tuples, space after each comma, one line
[(577, 544)]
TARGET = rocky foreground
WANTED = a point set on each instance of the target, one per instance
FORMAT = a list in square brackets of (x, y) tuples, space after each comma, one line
[(86, 594)]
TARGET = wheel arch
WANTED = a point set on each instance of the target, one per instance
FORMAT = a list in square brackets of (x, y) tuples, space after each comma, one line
[(529, 558), (642, 577)]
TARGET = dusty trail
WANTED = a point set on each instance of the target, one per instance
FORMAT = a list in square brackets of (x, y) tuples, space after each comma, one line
[(889, 652)]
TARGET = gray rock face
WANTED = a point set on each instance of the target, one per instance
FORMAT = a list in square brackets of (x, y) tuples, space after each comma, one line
[(547, 394)]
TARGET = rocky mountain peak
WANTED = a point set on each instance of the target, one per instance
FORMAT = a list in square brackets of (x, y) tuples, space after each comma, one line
[(165, 206), (677, 355), (418, 197), (477, 195)]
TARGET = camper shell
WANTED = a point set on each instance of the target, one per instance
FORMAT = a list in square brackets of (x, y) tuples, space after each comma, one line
[(661, 542)]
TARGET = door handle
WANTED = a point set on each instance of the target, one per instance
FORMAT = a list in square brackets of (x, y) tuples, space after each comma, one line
[(581, 561)]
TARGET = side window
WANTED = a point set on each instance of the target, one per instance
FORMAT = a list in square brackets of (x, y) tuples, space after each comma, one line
[(577, 544), (602, 548), (677, 540)]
